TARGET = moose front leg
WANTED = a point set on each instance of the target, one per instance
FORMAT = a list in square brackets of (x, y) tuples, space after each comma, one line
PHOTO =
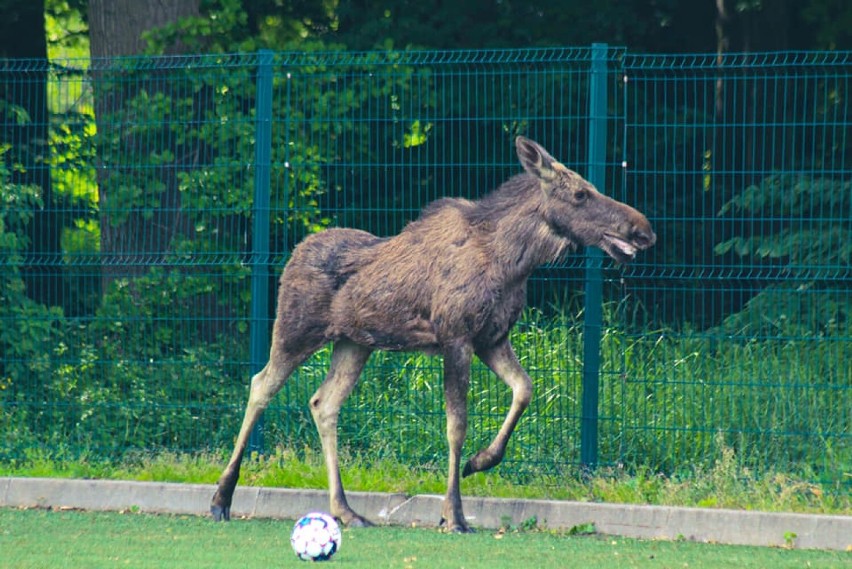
[(456, 384), (501, 359)]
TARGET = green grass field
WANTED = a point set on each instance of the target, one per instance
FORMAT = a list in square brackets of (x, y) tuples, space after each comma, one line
[(31, 539)]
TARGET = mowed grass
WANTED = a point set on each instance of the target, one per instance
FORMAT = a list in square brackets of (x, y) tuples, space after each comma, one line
[(43, 539)]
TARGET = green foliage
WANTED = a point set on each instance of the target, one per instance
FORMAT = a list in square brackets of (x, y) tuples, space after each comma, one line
[(27, 329), (800, 225), (66, 30), (131, 404), (54, 390), (832, 20), (800, 219), (18, 203), (213, 31), (583, 529), (224, 26)]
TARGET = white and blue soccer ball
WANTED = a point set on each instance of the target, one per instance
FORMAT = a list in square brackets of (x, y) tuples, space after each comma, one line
[(316, 537)]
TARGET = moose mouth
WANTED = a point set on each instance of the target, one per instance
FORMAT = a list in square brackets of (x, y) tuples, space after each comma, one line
[(617, 248)]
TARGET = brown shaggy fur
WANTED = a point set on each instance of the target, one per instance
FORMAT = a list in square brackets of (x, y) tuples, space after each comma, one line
[(453, 283)]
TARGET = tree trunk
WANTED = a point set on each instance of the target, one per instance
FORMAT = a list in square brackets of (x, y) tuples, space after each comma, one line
[(116, 26), (22, 35), (721, 47), (139, 202)]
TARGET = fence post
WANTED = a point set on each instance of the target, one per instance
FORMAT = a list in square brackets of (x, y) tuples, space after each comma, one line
[(593, 313), (259, 322)]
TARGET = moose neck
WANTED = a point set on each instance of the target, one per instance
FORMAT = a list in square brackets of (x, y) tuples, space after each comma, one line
[(517, 232)]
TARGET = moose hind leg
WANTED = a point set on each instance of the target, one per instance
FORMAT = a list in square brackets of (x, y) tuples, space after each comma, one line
[(347, 361), (264, 385), (456, 384), (501, 359)]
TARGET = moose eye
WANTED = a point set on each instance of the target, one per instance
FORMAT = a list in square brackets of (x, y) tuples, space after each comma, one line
[(580, 195)]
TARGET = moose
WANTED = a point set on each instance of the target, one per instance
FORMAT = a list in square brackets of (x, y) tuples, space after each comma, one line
[(452, 282)]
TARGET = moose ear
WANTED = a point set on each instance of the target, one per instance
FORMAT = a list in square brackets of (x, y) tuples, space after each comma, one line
[(535, 159)]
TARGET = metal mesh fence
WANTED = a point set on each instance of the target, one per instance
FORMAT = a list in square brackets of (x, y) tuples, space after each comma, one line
[(149, 204), (744, 166)]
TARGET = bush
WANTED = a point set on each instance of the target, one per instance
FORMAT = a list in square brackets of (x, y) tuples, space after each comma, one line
[(28, 330), (796, 230)]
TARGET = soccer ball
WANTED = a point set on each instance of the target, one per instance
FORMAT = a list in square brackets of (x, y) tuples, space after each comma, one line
[(316, 537)]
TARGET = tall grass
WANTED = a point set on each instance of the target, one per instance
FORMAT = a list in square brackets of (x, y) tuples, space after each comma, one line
[(669, 403), (672, 404), (723, 485)]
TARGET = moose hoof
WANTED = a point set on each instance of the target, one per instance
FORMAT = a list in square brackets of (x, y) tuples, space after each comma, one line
[(468, 470), (455, 528), (221, 513), (359, 522), (480, 463)]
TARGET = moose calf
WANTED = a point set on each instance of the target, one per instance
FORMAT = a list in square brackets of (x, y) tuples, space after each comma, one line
[(452, 282)]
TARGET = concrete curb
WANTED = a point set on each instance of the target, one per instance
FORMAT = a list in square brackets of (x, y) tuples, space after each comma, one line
[(648, 522)]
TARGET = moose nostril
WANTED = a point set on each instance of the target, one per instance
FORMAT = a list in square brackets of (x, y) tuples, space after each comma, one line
[(643, 238)]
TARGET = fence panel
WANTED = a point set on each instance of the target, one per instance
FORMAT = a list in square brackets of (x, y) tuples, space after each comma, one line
[(743, 165), (149, 186)]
